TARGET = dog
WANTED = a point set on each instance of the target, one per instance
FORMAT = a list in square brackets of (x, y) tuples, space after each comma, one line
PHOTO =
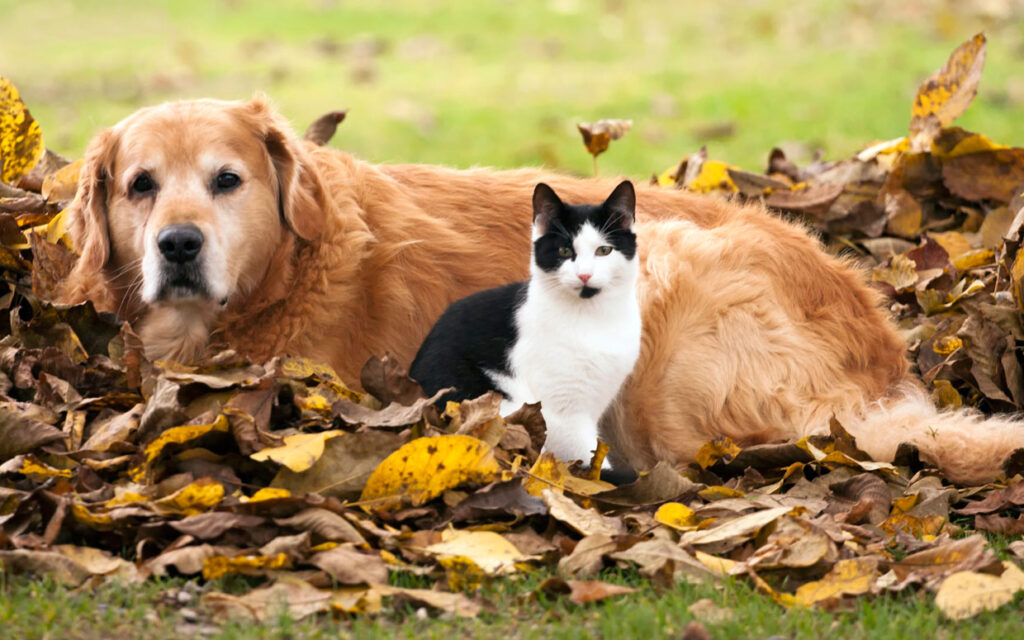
[(210, 221)]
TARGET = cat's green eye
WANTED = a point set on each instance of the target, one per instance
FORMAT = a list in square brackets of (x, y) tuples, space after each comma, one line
[(565, 252), (603, 250)]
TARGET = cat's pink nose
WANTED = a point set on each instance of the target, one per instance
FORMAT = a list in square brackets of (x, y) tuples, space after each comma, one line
[(584, 277)]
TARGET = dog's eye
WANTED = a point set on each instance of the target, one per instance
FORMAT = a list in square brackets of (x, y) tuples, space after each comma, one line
[(603, 250), (226, 181), (142, 184)]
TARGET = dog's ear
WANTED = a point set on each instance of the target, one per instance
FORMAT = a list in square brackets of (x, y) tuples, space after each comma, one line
[(301, 193), (87, 214)]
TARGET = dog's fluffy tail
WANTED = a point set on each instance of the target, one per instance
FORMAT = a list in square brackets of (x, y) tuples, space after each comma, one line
[(968, 447)]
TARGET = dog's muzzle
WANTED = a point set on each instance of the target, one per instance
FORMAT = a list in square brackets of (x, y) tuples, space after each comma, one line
[(180, 247)]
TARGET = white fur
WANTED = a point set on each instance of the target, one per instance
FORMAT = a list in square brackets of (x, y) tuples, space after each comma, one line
[(573, 354)]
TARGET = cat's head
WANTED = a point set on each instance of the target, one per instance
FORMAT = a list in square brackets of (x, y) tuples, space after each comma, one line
[(584, 249)]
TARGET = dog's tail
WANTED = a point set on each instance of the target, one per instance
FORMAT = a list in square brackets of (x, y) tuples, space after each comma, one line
[(968, 447)]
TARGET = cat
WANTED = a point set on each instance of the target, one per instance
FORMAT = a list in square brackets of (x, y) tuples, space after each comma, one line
[(568, 337)]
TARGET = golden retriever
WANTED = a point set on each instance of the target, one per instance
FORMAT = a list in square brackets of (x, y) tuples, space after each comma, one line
[(210, 221)]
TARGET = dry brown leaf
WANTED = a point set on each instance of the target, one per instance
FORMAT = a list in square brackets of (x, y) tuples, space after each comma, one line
[(587, 558), (348, 566), (326, 524), (586, 521), (735, 530), (344, 466), (705, 610), (598, 135), (299, 597), (583, 591), (947, 93), (659, 554)]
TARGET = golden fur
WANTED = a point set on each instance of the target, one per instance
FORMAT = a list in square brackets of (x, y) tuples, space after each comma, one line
[(750, 329)]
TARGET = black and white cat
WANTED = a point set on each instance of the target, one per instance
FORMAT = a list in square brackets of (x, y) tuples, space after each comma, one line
[(568, 337)]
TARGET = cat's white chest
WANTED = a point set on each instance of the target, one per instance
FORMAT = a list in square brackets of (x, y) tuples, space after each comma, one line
[(573, 359)]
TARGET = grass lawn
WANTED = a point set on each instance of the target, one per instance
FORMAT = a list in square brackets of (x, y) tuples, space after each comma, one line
[(503, 83), (35, 610)]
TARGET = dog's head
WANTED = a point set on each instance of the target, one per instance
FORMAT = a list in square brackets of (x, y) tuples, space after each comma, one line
[(187, 202)]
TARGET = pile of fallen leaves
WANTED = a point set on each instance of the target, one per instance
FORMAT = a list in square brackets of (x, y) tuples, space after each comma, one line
[(116, 468)]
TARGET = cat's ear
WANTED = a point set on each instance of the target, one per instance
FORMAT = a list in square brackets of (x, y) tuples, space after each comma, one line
[(622, 204), (546, 206)]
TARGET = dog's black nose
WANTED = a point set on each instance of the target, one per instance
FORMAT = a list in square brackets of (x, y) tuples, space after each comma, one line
[(180, 242)]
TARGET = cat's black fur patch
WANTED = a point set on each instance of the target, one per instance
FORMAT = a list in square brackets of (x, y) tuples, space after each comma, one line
[(474, 334), (561, 223)]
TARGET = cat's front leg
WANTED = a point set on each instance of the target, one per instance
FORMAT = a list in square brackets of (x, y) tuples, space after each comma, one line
[(571, 437)]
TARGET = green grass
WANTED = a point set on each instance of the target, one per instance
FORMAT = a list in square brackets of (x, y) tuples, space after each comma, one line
[(38, 609), (503, 83)]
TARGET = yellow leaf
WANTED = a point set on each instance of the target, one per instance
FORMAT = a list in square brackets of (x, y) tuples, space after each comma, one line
[(906, 503), (313, 402), (886, 147), (915, 526), (719, 492), (965, 594), (974, 258), (717, 449), (426, 467), (303, 369), (219, 566), (551, 473), (947, 93), (269, 493), (973, 143), (945, 395), (1017, 281), (721, 566), (30, 466), (780, 597), (21, 141), (677, 515), (954, 242), (299, 452), (547, 473), (462, 573), (947, 345), (713, 176), (100, 521), (175, 435), (493, 554), (667, 178), (848, 577), (128, 497), (597, 461), (192, 499)]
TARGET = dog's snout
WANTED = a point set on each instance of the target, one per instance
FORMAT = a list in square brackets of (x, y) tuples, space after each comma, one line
[(180, 242)]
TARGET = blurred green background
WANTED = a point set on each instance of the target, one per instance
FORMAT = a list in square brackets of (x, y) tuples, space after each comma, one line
[(504, 82)]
